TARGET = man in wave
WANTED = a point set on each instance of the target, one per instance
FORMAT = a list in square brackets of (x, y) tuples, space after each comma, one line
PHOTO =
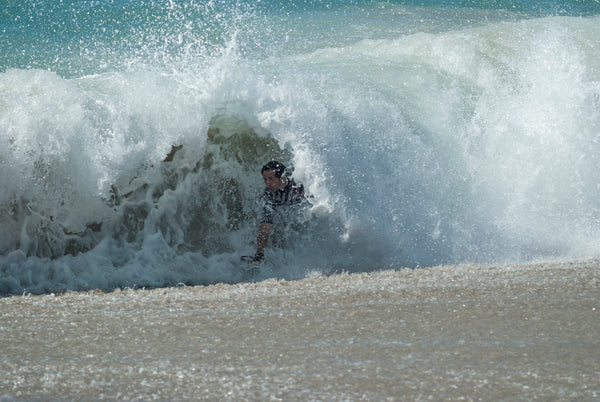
[(281, 190)]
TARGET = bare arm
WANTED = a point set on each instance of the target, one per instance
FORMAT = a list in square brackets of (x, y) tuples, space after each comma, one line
[(263, 236)]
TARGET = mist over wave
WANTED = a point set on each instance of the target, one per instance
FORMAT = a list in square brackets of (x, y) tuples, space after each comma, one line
[(448, 144)]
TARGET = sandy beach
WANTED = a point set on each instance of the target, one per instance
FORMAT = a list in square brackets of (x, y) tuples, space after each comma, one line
[(443, 333)]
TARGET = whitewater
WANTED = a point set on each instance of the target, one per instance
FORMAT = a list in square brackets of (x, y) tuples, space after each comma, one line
[(133, 134)]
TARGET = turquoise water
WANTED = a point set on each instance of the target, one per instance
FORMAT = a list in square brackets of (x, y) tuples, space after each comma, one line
[(85, 37), (427, 132)]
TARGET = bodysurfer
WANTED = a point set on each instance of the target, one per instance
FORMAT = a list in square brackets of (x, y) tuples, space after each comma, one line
[(281, 190)]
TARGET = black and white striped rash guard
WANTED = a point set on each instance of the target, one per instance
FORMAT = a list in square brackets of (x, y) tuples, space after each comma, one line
[(291, 194)]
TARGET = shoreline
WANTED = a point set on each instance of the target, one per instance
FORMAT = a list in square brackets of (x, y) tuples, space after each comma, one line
[(448, 332)]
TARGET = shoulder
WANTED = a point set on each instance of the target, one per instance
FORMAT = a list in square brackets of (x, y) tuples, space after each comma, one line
[(294, 184), (298, 188), (296, 191)]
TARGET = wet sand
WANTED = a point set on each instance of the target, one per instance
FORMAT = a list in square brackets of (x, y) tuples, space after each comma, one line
[(443, 333)]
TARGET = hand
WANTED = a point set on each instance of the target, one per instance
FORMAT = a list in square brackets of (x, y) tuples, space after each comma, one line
[(259, 258)]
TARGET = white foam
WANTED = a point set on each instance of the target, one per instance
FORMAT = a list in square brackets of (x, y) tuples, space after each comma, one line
[(468, 145)]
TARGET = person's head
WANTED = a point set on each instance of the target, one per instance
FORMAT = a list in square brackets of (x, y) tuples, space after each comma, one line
[(275, 176)]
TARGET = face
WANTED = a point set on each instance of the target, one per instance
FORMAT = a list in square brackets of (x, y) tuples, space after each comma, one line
[(273, 182)]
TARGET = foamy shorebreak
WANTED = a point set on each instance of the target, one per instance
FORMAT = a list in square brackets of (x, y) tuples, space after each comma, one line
[(515, 332)]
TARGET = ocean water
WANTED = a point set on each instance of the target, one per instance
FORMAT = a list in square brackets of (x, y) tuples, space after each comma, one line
[(132, 135)]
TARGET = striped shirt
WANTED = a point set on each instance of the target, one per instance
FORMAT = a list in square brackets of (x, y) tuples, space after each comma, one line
[(291, 194)]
